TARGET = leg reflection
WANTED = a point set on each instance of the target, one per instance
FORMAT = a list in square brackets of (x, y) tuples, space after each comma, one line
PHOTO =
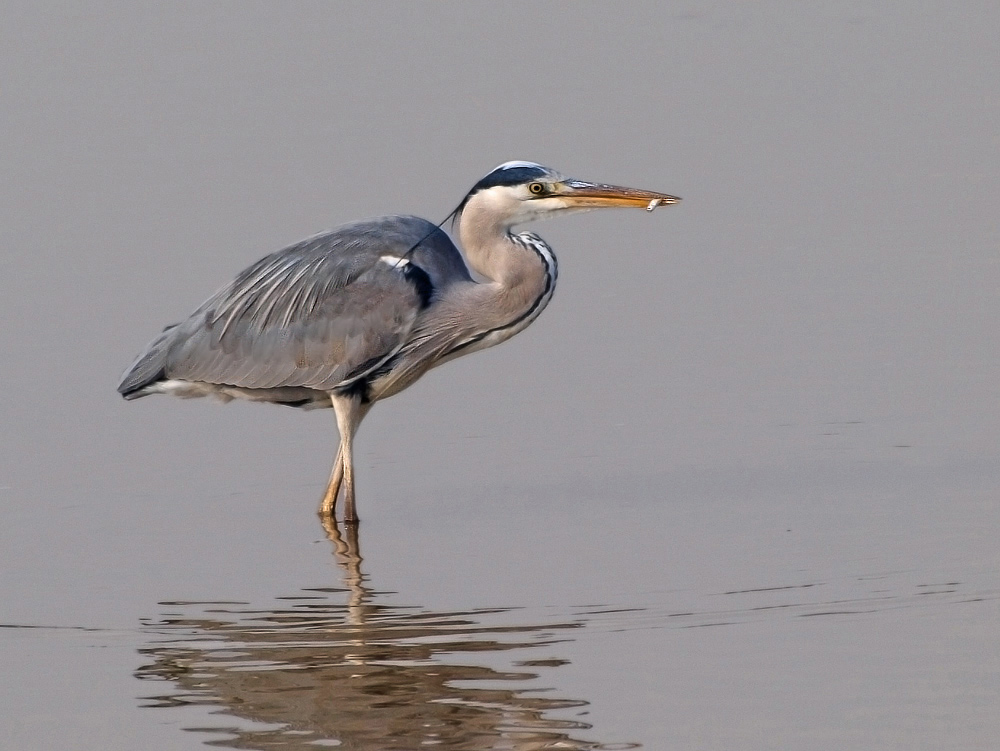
[(348, 665), (347, 552)]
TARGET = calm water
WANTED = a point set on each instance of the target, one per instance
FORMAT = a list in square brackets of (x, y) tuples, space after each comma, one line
[(739, 486)]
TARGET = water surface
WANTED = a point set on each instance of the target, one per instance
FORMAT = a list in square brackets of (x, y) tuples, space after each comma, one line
[(736, 488)]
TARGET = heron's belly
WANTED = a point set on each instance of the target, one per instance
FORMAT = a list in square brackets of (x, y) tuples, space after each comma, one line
[(396, 379), (294, 396)]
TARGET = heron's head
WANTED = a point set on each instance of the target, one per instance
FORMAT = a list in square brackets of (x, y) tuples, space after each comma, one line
[(518, 192)]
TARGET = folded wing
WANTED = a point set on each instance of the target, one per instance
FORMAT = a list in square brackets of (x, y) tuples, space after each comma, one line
[(319, 314)]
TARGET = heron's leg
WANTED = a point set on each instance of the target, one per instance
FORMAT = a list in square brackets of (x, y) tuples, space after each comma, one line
[(328, 505), (350, 412)]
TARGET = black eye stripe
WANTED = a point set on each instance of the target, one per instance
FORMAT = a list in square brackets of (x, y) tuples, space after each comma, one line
[(523, 173), (512, 176)]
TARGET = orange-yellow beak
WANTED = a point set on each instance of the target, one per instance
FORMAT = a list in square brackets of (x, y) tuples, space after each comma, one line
[(579, 194)]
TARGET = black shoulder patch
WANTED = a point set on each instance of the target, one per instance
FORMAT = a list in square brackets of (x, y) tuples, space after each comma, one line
[(421, 282)]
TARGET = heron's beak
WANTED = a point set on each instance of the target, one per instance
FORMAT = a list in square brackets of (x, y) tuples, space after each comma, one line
[(578, 194)]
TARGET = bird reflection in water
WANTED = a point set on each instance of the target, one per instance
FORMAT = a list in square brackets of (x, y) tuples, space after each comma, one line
[(364, 675)]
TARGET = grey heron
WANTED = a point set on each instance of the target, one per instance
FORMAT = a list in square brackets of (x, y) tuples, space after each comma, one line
[(355, 315)]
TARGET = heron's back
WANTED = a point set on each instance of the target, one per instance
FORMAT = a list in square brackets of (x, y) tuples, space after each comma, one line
[(313, 316)]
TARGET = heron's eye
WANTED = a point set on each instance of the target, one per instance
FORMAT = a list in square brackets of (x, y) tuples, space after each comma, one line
[(536, 189)]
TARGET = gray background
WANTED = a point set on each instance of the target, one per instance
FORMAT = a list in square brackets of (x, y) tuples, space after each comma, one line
[(786, 383)]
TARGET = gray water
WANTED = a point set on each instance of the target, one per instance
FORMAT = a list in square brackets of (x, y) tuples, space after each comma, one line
[(737, 487)]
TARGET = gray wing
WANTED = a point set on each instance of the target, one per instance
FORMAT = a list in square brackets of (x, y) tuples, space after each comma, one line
[(318, 314)]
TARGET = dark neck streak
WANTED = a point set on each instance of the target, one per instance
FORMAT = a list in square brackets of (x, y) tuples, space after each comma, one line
[(536, 245)]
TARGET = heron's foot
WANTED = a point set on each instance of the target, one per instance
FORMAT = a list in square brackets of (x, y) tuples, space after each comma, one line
[(328, 506), (327, 511)]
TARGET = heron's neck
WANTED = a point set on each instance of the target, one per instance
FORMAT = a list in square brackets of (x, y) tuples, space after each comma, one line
[(521, 270), (493, 252)]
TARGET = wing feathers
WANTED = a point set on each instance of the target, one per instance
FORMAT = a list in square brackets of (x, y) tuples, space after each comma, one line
[(317, 314)]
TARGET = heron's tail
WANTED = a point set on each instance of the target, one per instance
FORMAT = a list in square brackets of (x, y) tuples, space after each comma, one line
[(149, 368)]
